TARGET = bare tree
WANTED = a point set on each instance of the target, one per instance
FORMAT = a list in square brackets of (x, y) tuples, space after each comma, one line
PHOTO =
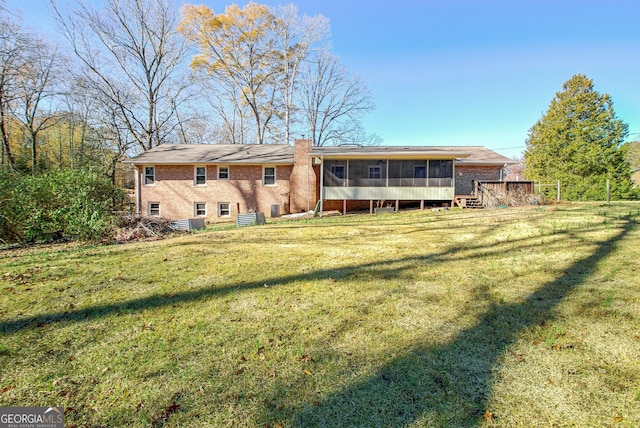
[(133, 55), (105, 135), (225, 100), (196, 131), (333, 101), (296, 37), (36, 88), (13, 43), (114, 139)]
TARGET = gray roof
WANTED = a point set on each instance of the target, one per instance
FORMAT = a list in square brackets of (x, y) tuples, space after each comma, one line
[(483, 156), (464, 155), (216, 153), (282, 154)]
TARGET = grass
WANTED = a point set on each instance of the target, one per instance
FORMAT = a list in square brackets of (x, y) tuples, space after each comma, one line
[(518, 317)]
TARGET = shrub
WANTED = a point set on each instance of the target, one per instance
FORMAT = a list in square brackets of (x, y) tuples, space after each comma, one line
[(58, 204)]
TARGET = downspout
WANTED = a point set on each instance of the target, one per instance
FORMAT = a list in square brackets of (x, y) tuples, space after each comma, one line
[(321, 184), (138, 191), (309, 166)]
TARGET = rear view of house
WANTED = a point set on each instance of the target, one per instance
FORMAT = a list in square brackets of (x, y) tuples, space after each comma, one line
[(219, 181)]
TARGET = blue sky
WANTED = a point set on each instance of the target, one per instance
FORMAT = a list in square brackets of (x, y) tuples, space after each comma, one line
[(463, 72)]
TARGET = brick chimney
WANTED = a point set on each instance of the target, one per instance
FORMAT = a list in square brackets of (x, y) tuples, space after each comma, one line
[(302, 183)]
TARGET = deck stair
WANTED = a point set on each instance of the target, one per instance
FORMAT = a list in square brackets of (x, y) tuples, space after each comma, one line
[(468, 201)]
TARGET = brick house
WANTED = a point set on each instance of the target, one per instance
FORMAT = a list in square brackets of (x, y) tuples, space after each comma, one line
[(218, 181)]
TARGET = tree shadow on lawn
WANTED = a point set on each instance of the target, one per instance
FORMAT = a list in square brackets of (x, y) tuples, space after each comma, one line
[(380, 270), (446, 385)]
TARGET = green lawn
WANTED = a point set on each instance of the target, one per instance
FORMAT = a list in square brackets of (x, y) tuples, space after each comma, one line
[(507, 317)]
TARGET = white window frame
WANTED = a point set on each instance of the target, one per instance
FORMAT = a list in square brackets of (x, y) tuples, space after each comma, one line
[(195, 209), (145, 175), (195, 175), (228, 173), (220, 210), (264, 176), (150, 209)]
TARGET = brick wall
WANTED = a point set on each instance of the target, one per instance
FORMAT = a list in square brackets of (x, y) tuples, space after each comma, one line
[(465, 174), (177, 194), (303, 179)]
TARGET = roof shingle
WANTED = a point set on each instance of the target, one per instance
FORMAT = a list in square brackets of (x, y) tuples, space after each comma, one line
[(216, 153), (283, 154)]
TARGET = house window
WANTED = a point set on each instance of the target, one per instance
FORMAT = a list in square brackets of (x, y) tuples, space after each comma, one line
[(201, 175), (337, 171), (149, 175), (224, 209), (154, 209), (223, 173), (200, 209), (269, 176), (375, 172), (420, 171)]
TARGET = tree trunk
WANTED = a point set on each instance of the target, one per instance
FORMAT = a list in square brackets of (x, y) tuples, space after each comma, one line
[(6, 147), (34, 153)]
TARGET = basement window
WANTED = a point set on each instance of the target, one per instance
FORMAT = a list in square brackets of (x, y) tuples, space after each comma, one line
[(224, 209), (200, 209), (154, 209)]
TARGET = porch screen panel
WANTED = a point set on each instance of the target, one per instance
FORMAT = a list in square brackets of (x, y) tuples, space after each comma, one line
[(440, 173), (407, 173), (335, 173), (367, 173), (395, 173)]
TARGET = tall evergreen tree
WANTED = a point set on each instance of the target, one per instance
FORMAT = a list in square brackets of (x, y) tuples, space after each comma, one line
[(579, 141)]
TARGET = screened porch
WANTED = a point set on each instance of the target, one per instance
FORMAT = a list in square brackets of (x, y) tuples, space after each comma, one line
[(388, 173), (365, 179)]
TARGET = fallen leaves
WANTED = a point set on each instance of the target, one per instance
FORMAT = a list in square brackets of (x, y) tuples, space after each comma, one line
[(562, 347), (6, 388), (165, 415)]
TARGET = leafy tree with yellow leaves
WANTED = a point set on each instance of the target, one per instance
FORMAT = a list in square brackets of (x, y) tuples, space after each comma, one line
[(237, 47)]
